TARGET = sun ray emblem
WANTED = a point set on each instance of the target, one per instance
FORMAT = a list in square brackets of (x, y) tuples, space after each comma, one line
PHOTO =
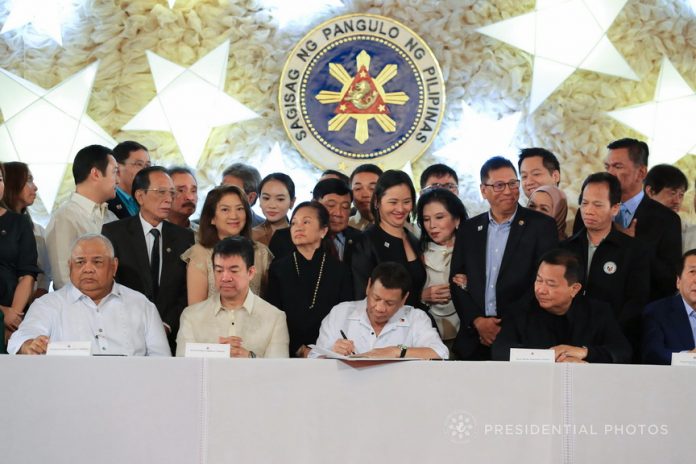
[(362, 97)]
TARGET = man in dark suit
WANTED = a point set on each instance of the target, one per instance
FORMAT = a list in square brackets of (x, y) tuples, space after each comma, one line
[(669, 324), (498, 251), (131, 158), (615, 266), (148, 248), (642, 217), (336, 197), (578, 329)]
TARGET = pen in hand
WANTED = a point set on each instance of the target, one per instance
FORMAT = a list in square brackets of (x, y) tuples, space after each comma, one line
[(343, 334)]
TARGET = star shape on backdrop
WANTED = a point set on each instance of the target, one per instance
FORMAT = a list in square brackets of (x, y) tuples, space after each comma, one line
[(46, 16), (563, 36), (667, 120), (54, 121), (478, 138), (190, 102)]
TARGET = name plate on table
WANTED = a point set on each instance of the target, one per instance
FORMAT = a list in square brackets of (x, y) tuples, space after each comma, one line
[(524, 355), (684, 359), (207, 350), (69, 349)]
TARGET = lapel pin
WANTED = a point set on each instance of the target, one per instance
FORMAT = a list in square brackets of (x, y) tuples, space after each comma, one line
[(521, 222), (119, 207), (386, 244), (480, 228), (169, 250)]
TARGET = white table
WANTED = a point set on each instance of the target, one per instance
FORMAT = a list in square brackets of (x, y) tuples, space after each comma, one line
[(144, 410)]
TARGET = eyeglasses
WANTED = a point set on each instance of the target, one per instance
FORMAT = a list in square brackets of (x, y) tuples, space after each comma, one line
[(449, 186), (500, 186), (139, 164), (162, 192)]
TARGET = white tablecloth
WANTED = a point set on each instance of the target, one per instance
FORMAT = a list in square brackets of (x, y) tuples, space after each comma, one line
[(139, 410)]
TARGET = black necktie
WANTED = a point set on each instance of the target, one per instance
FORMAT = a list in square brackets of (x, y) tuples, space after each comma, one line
[(155, 263)]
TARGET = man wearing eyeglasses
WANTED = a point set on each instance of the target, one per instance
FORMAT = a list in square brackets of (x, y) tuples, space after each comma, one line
[(131, 158), (498, 251), (439, 176), (148, 248)]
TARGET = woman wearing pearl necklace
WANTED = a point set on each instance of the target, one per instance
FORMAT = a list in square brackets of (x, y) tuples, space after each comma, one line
[(310, 281)]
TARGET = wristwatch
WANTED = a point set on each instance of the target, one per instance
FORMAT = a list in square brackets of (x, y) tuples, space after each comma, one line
[(403, 348)]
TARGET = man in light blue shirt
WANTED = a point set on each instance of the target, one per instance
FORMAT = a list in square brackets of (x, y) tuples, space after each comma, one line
[(131, 157), (498, 251)]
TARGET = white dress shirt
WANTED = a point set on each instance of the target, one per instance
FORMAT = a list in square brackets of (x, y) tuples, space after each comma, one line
[(408, 326), (261, 326), (123, 323), (77, 216), (44, 279)]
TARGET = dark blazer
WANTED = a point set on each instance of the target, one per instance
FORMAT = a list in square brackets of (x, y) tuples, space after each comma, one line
[(531, 235), (619, 275), (281, 243), (666, 330), (117, 207), (660, 229), (588, 323), (293, 294), (134, 265), (376, 246)]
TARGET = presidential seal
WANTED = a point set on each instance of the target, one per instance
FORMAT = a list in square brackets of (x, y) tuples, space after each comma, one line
[(361, 89)]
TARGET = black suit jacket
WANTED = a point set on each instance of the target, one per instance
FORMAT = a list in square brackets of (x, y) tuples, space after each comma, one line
[(666, 330), (377, 246), (117, 207), (588, 323), (133, 271), (619, 275), (659, 228), (531, 235)]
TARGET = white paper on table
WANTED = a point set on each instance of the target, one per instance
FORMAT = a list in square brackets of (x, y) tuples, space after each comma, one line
[(69, 349), (684, 359), (207, 350), (354, 357), (526, 355)]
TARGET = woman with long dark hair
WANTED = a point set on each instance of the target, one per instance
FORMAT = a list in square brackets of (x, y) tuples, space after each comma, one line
[(388, 239), (311, 280), (276, 197), (18, 268), (20, 193), (440, 212), (226, 213)]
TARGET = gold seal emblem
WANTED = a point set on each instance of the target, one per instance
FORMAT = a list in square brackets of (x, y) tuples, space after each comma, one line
[(361, 88)]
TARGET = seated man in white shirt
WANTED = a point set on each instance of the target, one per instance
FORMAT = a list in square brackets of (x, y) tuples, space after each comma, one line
[(92, 307), (380, 325), (234, 315)]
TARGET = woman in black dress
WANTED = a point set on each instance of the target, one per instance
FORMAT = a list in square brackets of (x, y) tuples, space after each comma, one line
[(18, 268), (310, 281), (388, 239)]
